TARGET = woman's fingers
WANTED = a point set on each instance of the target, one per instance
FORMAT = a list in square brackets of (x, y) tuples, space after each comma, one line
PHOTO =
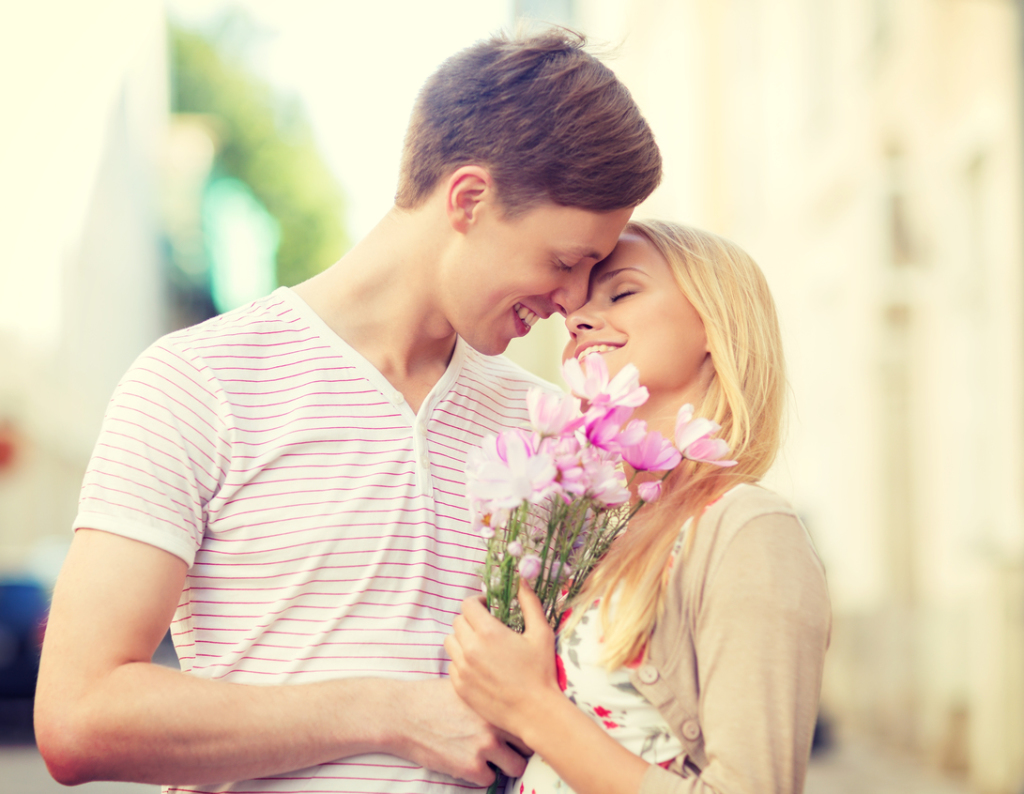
[(474, 612), (533, 610)]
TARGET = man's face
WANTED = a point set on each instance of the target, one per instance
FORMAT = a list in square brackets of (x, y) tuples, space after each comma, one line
[(505, 273)]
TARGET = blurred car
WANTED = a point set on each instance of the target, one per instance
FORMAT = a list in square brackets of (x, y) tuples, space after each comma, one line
[(23, 608)]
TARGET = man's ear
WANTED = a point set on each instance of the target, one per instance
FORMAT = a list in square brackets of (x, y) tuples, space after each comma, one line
[(467, 189)]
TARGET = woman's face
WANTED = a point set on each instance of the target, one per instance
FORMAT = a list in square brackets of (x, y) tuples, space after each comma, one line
[(636, 313)]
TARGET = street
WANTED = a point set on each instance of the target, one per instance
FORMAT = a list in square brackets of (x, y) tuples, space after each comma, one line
[(852, 768)]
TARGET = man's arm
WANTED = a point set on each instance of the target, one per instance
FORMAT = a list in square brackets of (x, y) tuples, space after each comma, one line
[(105, 712)]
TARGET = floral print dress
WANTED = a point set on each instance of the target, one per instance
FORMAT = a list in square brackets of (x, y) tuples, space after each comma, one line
[(608, 698)]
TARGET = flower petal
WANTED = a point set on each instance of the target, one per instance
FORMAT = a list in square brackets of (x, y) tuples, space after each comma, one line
[(709, 450), (649, 491)]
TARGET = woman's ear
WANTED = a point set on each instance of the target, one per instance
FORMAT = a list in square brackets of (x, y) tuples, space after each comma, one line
[(706, 372), (467, 190)]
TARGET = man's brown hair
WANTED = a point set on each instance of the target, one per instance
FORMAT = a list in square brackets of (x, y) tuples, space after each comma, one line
[(548, 120)]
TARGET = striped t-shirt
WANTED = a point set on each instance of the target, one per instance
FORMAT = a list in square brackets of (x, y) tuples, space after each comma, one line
[(325, 524)]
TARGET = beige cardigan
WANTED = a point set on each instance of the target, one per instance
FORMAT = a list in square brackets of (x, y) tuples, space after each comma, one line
[(735, 663)]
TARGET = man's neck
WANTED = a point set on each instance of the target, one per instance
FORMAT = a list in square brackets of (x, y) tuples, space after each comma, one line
[(380, 298)]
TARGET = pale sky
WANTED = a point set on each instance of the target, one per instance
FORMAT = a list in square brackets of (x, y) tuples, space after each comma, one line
[(357, 66)]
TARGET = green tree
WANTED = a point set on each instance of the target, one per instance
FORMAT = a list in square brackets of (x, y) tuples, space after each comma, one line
[(267, 143)]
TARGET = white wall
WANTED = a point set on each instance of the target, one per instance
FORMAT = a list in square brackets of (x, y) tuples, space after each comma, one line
[(84, 92)]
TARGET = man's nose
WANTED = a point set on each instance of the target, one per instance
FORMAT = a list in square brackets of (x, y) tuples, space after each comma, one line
[(573, 293)]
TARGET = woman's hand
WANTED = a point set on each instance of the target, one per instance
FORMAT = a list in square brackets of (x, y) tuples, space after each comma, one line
[(505, 677), (509, 680)]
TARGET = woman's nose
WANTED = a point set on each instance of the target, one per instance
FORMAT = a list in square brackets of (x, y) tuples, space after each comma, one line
[(580, 320)]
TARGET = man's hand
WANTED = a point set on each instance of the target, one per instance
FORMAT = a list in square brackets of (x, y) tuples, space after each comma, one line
[(439, 731)]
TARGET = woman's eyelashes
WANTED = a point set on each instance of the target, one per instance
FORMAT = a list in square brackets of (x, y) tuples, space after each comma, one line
[(620, 294)]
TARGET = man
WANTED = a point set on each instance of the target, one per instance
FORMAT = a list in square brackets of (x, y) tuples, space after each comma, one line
[(284, 485)]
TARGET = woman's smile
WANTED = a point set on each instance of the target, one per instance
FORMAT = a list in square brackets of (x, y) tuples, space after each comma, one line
[(597, 347)]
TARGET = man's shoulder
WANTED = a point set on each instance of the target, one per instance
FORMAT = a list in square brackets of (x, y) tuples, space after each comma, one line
[(260, 334), (268, 326), (262, 322)]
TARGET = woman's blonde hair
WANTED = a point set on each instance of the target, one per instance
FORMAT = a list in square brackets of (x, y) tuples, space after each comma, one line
[(745, 396)]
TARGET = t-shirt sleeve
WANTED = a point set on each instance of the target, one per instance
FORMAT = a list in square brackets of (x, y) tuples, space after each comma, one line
[(161, 454)]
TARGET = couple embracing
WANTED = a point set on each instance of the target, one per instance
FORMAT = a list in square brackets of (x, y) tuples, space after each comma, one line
[(284, 487)]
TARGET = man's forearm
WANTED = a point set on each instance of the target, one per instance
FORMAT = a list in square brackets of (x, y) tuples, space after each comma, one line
[(103, 711), (146, 723), (149, 724)]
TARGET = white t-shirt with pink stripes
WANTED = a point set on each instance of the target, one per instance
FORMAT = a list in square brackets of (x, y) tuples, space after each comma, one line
[(325, 524)]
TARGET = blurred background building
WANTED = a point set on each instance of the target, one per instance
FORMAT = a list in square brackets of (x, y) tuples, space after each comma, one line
[(867, 153), (84, 108)]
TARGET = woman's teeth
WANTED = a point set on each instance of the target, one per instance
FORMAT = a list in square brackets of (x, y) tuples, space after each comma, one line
[(595, 349), (528, 317)]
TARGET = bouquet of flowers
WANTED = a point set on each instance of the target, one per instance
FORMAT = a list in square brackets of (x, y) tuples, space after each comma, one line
[(549, 501)]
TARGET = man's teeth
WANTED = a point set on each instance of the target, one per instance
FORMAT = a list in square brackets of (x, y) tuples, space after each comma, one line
[(528, 317), (596, 349)]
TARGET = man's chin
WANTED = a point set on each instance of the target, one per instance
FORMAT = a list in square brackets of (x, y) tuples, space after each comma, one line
[(487, 346), (493, 349)]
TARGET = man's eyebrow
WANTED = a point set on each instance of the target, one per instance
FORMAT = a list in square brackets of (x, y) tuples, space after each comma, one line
[(583, 253), (603, 277)]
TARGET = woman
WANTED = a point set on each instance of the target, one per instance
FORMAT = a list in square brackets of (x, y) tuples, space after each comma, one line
[(692, 660)]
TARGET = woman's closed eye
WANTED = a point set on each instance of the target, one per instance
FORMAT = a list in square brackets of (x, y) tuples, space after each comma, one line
[(622, 294)]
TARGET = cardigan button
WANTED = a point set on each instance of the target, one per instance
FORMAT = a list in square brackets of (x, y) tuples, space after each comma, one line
[(648, 673), (691, 730)]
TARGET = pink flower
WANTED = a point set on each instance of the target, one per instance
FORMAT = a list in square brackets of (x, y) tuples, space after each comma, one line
[(573, 482), (653, 452), (649, 491), (515, 548), (566, 453), (709, 450), (483, 522), (553, 414), (529, 566), (633, 433), (502, 440), (494, 449), (689, 429), (604, 427), (564, 450), (692, 437), (594, 387), (607, 483), (509, 472)]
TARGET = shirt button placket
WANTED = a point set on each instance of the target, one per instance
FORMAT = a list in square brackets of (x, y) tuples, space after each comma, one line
[(422, 454)]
